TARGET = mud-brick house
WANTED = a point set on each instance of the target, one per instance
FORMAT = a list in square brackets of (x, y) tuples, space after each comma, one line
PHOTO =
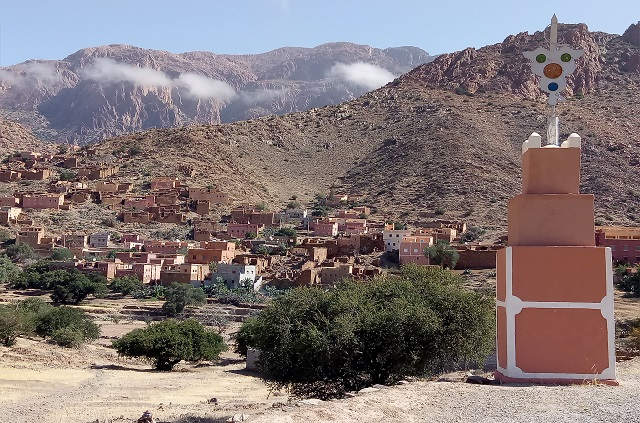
[(166, 247), (135, 257), (8, 175), (203, 207), (9, 201), (139, 203), (477, 256), (70, 162), (79, 241), (31, 236), (160, 184), (136, 217), (9, 215), (312, 253), (240, 230), (211, 253), (411, 249), (36, 174), (42, 201), (184, 273), (146, 272), (169, 216), (334, 273), (324, 227), (209, 194), (166, 198)]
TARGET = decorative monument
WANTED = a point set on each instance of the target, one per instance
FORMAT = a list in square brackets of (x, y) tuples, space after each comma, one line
[(555, 321)]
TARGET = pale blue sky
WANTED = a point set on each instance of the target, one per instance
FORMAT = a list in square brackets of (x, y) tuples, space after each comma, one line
[(48, 29)]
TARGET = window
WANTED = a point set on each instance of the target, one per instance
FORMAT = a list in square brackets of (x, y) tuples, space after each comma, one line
[(415, 250), (406, 250), (626, 248)]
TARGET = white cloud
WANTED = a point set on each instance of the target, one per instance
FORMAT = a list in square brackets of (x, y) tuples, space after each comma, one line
[(202, 87), (30, 72), (261, 96), (108, 70), (362, 74), (105, 70)]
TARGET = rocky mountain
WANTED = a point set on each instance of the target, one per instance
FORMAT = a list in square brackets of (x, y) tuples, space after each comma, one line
[(110, 90), (443, 140)]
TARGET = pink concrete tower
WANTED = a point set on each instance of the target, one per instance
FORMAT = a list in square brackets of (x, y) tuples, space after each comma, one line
[(555, 321)]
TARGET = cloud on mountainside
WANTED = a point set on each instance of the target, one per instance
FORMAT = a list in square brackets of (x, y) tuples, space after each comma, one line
[(261, 96), (107, 70), (365, 75), (26, 73)]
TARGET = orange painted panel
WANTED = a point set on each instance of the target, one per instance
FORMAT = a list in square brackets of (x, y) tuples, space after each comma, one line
[(501, 274), (501, 335), (572, 274), (551, 171), (551, 219), (561, 341)]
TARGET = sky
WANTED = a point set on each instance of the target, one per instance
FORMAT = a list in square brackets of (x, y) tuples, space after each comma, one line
[(45, 29)]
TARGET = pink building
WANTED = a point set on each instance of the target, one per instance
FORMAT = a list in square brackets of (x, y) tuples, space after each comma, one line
[(240, 230), (624, 243), (42, 201), (324, 228), (163, 184), (412, 248), (355, 226), (140, 203)]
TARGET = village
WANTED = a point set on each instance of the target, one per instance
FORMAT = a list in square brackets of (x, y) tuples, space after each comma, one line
[(292, 247), (316, 245)]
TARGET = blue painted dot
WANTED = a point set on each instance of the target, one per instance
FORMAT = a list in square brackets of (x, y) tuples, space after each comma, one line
[(553, 86)]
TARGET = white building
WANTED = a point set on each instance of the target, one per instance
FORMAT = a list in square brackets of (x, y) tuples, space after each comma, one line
[(393, 238), (99, 240), (232, 274)]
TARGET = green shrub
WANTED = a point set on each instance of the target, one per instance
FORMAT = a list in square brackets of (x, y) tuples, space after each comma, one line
[(286, 232), (472, 233), (20, 252), (126, 285), (250, 235), (54, 319), (170, 341), (71, 287), (5, 235), (68, 337), (324, 343), (628, 281), (61, 254), (10, 326), (66, 175), (443, 254), (9, 272), (178, 296)]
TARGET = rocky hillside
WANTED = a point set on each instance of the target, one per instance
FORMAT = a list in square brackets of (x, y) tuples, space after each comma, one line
[(117, 89), (421, 145), (15, 137)]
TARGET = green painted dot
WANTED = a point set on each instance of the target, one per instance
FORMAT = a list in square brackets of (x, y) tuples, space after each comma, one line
[(541, 58), (565, 57)]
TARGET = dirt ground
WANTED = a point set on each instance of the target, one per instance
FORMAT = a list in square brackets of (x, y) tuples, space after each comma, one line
[(41, 382)]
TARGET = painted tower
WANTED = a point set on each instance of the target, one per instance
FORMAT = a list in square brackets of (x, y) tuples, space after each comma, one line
[(555, 321)]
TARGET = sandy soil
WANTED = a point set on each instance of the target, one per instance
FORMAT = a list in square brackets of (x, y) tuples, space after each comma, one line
[(40, 382)]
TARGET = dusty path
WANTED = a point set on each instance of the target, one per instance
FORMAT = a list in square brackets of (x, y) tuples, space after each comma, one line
[(462, 402)]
